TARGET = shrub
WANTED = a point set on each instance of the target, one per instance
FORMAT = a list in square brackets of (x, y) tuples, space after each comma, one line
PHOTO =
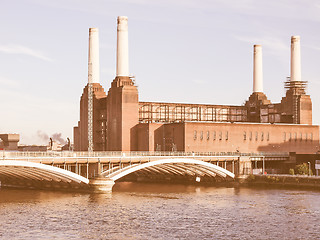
[(291, 171), (303, 169), (251, 177)]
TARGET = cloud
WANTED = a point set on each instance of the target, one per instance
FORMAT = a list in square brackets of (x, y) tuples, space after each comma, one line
[(107, 46), (276, 45), (9, 82), (19, 49), (199, 81), (312, 47), (289, 9), (317, 5), (108, 71)]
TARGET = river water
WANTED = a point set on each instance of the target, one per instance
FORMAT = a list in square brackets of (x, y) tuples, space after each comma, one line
[(161, 211)]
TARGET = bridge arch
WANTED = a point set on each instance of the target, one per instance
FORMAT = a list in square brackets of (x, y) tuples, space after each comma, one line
[(14, 169), (174, 166)]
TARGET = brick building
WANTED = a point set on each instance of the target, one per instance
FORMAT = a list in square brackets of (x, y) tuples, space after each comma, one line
[(121, 123)]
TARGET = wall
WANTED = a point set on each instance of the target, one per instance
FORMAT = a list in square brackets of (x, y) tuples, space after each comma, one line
[(122, 114), (305, 109), (251, 137), (143, 135)]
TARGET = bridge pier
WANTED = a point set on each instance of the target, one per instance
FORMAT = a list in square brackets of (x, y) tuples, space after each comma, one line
[(101, 184), (245, 166)]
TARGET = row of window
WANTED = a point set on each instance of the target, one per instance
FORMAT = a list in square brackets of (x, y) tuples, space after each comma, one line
[(295, 136), (256, 136), (214, 136), (225, 135), (251, 136)]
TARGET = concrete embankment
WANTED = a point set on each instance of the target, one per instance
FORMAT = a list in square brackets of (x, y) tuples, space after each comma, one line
[(295, 181)]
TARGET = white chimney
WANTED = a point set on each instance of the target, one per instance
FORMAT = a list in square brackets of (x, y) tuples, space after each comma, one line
[(122, 47), (295, 59), (257, 69), (93, 59)]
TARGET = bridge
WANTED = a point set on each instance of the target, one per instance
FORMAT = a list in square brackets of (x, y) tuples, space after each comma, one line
[(100, 170)]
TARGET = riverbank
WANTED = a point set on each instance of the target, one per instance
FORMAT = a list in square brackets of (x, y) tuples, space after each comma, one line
[(292, 181)]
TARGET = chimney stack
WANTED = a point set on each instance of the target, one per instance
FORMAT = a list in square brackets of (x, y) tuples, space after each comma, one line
[(122, 47), (295, 59), (93, 59), (257, 69)]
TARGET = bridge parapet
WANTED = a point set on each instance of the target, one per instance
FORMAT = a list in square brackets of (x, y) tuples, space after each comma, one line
[(16, 154)]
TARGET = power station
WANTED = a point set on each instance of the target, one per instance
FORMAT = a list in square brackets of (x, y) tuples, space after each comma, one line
[(118, 121)]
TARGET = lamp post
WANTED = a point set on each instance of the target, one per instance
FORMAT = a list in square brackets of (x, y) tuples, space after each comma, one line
[(309, 165)]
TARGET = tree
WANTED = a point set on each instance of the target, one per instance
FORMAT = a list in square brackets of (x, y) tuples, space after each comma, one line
[(303, 169)]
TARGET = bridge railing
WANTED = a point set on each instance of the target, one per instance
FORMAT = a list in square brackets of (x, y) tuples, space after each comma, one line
[(16, 154)]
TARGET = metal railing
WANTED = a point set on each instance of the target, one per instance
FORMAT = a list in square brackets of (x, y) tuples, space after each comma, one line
[(71, 154)]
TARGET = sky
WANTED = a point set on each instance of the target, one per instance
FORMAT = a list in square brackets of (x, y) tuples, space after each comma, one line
[(187, 51)]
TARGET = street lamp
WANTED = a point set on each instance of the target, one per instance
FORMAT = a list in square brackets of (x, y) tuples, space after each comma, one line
[(309, 165)]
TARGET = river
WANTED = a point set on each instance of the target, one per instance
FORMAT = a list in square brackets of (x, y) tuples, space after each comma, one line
[(161, 211)]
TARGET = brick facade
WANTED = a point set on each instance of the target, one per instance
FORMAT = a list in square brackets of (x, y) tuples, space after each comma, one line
[(122, 123)]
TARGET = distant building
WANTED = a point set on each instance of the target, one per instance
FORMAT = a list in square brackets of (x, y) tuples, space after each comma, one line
[(122, 123), (9, 141), (32, 148)]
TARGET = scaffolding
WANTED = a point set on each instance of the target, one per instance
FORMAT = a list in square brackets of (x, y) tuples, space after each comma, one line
[(296, 88), (90, 118), (178, 112)]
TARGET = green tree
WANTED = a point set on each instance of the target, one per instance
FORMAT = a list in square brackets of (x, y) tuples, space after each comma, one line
[(303, 169)]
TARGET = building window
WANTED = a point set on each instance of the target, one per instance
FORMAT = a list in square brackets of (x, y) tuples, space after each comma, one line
[(201, 135), (300, 136), (306, 136), (227, 135), (284, 136), (208, 135), (195, 135), (295, 136), (250, 136), (214, 135), (262, 136), (244, 135), (256, 136), (311, 136), (220, 135), (289, 136), (268, 137)]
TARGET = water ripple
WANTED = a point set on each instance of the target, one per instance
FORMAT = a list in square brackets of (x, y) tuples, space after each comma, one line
[(152, 211)]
